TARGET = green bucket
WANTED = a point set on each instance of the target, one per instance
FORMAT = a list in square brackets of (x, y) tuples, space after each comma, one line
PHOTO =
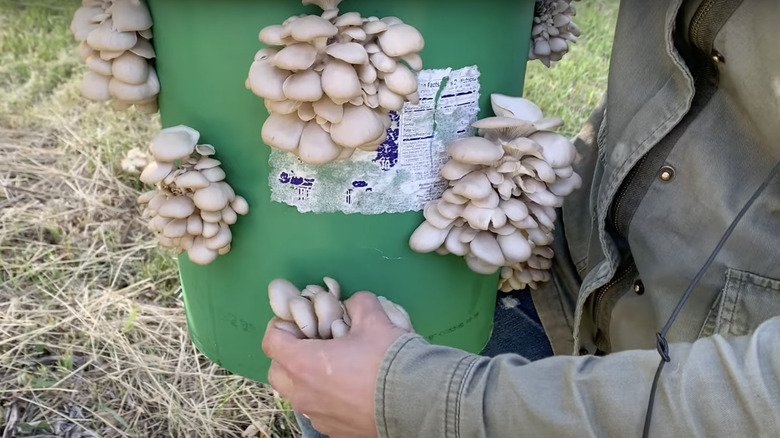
[(204, 51)]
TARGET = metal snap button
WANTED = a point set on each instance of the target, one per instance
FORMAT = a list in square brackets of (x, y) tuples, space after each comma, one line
[(717, 57), (666, 173), (639, 287)]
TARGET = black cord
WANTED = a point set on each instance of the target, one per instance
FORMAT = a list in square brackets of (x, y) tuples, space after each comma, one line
[(661, 344)]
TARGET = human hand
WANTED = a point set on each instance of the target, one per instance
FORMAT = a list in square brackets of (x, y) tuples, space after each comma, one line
[(332, 381)]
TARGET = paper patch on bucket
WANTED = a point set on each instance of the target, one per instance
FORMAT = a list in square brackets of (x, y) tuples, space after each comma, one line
[(404, 173)]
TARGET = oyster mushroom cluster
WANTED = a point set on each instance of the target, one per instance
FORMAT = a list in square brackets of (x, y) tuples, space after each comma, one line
[(329, 81), (318, 313), (553, 30), (192, 207), (504, 185), (114, 43)]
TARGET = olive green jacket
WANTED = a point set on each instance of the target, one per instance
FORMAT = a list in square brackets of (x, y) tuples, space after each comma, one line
[(688, 129)]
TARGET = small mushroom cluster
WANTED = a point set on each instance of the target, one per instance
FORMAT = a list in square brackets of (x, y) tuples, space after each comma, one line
[(330, 81), (135, 161), (504, 186), (318, 313), (553, 30), (192, 207), (114, 43)]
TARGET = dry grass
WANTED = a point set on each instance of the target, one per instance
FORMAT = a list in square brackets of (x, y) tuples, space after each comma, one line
[(93, 339), (91, 344)]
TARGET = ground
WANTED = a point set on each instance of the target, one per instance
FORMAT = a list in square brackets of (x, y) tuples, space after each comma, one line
[(93, 339)]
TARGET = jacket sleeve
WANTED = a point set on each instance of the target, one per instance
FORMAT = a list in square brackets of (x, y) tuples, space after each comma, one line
[(713, 387)]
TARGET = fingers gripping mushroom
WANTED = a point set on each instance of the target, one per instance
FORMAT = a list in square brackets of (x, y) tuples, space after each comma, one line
[(192, 207), (553, 30), (317, 313), (499, 209), (344, 73), (114, 42)]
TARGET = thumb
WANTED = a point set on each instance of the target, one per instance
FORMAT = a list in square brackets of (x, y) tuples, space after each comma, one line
[(365, 311)]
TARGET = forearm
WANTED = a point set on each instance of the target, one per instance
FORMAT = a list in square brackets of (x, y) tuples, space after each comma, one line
[(712, 387)]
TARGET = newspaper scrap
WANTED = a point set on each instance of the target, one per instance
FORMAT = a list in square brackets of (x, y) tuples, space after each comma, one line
[(404, 173)]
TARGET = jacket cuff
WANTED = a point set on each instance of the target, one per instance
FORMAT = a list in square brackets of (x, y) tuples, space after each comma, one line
[(418, 388)]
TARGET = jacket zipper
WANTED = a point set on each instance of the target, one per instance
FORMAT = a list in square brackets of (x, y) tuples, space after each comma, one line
[(604, 289), (696, 22), (622, 193)]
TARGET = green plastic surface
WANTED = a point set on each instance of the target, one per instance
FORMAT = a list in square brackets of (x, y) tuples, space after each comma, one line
[(204, 51)]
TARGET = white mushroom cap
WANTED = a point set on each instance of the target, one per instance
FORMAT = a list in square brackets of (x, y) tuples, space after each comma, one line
[(175, 229), (503, 128), (328, 310), (130, 68), (199, 254), (143, 48), (283, 131), (155, 172), (401, 40), (479, 266), (104, 37), (486, 248), (215, 174), (475, 185), (401, 81), (295, 57), (206, 163), (219, 240), (302, 311), (284, 106), (240, 205), (427, 238), (360, 125), (135, 93), (266, 81), (98, 65), (304, 86), (95, 87), (381, 61), (316, 145), (130, 15), (515, 247), (212, 198), (517, 107), (556, 149), (194, 225), (174, 143), (474, 150), (375, 27), (454, 170), (328, 110), (395, 313), (349, 19), (272, 35), (325, 5), (81, 24), (339, 329), (177, 207), (340, 81), (366, 73), (310, 27), (210, 229), (389, 100), (351, 53)]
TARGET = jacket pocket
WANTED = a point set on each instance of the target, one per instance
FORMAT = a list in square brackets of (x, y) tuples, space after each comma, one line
[(745, 302)]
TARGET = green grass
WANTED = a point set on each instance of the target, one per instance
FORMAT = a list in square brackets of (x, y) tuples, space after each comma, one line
[(92, 330), (571, 88)]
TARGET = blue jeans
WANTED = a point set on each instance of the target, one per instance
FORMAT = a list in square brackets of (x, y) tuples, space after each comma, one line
[(516, 329)]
